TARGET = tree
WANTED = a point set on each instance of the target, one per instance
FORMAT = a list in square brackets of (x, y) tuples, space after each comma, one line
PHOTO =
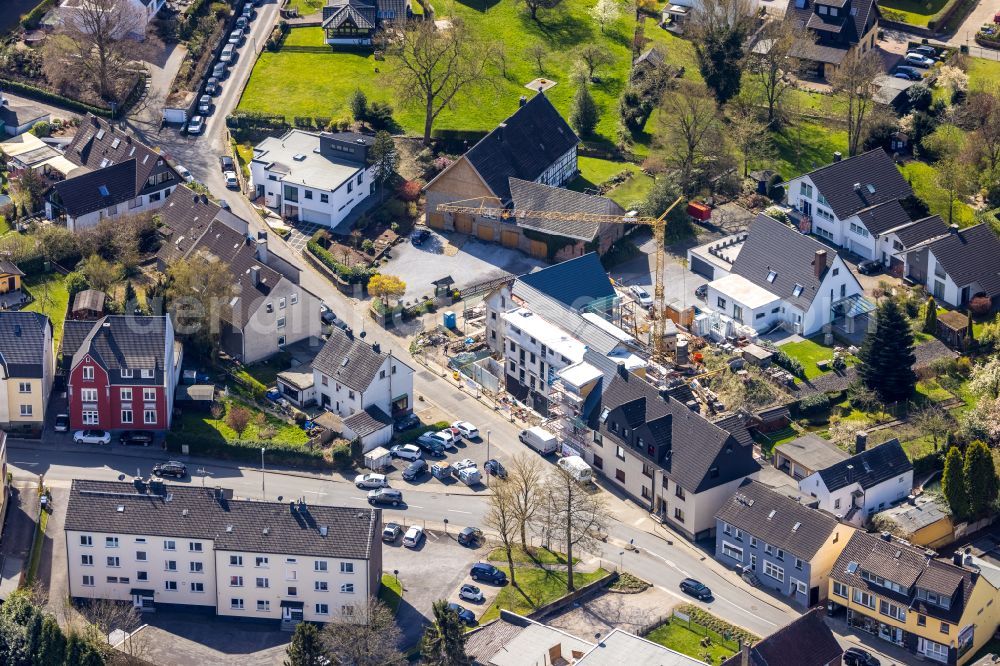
[(26, 191), (583, 116), (691, 132), (97, 35), (887, 356), (934, 421), (358, 104), (367, 640), (534, 5), (238, 418), (52, 645), (434, 67), (980, 479), (984, 382), (56, 243), (577, 514), (443, 642), (384, 160), (524, 478), (719, 31), (306, 649), (594, 57), (536, 53), (983, 420), (386, 286), (855, 80), (605, 12), (199, 292), (661, 196), (501, 518), (953, 484), (749, 134), (75, 283), (100, 274), (930, 316), (773, 70)]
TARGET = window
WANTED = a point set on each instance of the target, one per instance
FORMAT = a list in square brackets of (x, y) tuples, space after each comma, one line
[(647, 470), (87, 560), (322, 609), (112, 579), (840, 589), (88, 373), (309, 194), (345, 567), (88, 581), (24, 387), (197, 587), (126, 416), (149, 395), (347, 588), (235, 560), (291, 575), (140, 556), (678, 514), (620, 476), (170, 565), (361, 177), (149, 416), (169, 544), (146, 373), (321, 586), (798, 564), (347, 611), (236, 604), (921, 620), (721, 302), (892, 610), (293, 591), (678, 491), (236, 581), (114, 561), (732, 551), (836, 272), (324, 198), (197, 567), (86, 540), (350, 187), (281, 322), (260, 561), (194, 546), (141, 575), (771, 275), (598, 438), (25, 410), (805, 190), (127, 374), (836, 503), (263, 583), (753, 542), (774, 571), (88, 395), (293, 299), (945, 628), (281, 303), (170, 585), (125, 394), (620, 453), (864, 598), (110, 542), (263, 605), (797, 290)]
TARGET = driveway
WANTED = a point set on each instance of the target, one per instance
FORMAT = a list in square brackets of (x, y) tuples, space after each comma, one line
[(52, 568), (609, 610), (174, 638), (18, 532), (983, 13)]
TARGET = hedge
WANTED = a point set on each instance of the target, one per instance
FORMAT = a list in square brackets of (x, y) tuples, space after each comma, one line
[(42, 95), (718, 625), (814, 404), (412, 435), (941, 19), (343, 271)]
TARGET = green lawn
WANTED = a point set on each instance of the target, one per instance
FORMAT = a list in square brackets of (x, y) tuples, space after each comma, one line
[(594, 171), (319, 83), (805, 145), (307, 6), (392, 591), (203, 425), (266, 372), (983, 72), (677, 50), (923, 178), (4, 227), (676, 636), (808, 352), (810, 102), (914, 12), (931, 390), (535, 587), (51, 299), (534, 556)]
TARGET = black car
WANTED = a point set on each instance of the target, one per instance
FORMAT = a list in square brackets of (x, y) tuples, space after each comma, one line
[(136, 438), (419, 236), (696, 589), (470, 536), (430, 445), (464, 614), (226, 162), (170, 468), (494, 468), (408, 422), (488, 572), (869, 266), (385, 496), (702, 291), (414, 470), (858, 657)]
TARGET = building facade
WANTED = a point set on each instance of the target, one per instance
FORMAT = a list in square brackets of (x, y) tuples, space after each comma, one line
[(27, 369)]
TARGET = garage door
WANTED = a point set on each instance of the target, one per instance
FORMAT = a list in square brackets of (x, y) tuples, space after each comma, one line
[(485, 232), (703, 268), (314, 216), (861, 250), (435, 220), (463, 223), (509, 238), (539, 249)]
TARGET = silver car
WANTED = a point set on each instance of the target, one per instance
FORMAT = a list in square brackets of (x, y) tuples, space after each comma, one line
[(205, 104), (196, 125)]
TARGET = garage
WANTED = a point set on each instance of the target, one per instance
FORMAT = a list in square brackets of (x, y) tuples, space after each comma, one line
[(861, 250), (703, 268), (435, 221), (463, 223), (485, 232), (509, 238), (315, 217), (539, 249)]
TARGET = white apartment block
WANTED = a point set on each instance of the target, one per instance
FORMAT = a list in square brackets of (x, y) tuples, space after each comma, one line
[(199, 549)]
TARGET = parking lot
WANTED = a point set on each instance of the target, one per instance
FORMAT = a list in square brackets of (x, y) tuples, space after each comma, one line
[(467, 260)]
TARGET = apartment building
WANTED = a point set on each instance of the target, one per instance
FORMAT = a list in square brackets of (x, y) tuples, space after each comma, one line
[(27, 366), (199, 549)]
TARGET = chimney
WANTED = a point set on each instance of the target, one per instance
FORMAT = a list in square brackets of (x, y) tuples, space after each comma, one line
[(953, 228), (262, 246), (377, 348), (911, 500), (857, 187), (744, 654), (956, 558), (194, 198), (819, 263), (622, 371), (522, 101), (886, 536), (255, 275), (349, 333), (860, 441), (291, 506), (837, 156)]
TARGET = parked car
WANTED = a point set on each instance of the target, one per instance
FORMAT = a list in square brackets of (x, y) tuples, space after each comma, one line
[(227, 163), (441, 471), (391, 532), (463, 464), (702, 291), (908, 73), (414, 470), (196, 125), (385, 496), (228, 54), (419, 236), (467, 430), (62, 423), (212, 87), (371, 481), (641, 295), (431, 444), (403, 423), (205, 104), (231, 181), (92, 437), (487, 572), (248, 11), (464, 614), (470, 592), (857, 657), (183, 173), (918, 59), (219, 71), (869, 266), (470, 536), (223, 204), (446, 437), (136, 438), (236, 37), (242, 22), (925, 50), (170, 468), (696, 589), (414, 535), (494, 468)]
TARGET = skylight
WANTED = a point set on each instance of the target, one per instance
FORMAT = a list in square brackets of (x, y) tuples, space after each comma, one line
[(104, 191), (796, 527), (871, 189), (771, 515), (116, 142), (852, 567), (604, 414), (100, 134), (771, 275), (797, 290)]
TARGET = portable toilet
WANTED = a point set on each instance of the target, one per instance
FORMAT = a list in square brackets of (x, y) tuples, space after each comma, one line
[(450, 321)]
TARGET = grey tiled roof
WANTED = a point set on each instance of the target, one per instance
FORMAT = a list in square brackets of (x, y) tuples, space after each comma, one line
[(526, 195), (362, 15), (22, 343), (805, 641), (349, 360), (83, 194), (75, 331), (868, 468), (971, 255), (196, 513), (830, 32), (921, 230), (575, 283), (8, 267), (884, 216), (113, 147), (119, 342), (778, 520), (813, 451), (185, 216), (89, 299), (871, 170), (368, 421)]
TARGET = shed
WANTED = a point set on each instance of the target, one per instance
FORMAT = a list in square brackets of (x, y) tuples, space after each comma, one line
[(178, 105), (371, 426), (297, 385), (443, 285), (771, 419), (88, 304), (378, 458), (330, 421), (953, 328), (757, 355), (195, 396)]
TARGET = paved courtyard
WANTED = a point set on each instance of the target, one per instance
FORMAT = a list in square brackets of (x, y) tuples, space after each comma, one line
[(301, 233), (182, 639), (609, 610)]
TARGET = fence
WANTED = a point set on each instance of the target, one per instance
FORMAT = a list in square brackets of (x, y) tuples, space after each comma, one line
[(980, 52)]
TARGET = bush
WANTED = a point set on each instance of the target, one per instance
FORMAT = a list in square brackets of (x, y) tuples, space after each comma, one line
[(380, 116), (408, 190), (812, 405), (980, 305), (349, 274), (411, 435), (42, 95), (718, 625), (395, 208), (41, 129), (33, 18)]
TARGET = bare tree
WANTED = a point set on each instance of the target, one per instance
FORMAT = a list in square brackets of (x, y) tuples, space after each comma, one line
[(97, 34), (855, 80), (107, 615), (536, 53), (593, 58), (690, 123), (369, 638), (534, 5), (771, 68), (433, 67), (936, 422), (524, 477), (749, 134), (581, 515), (501, 517)]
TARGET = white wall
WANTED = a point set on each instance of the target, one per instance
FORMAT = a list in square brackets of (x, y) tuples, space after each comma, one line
[(875, 499), (301, 320), (749, 314), (829, 292), (386, 385), (339, 202), (952, 294), (858, 239), (140, 204)]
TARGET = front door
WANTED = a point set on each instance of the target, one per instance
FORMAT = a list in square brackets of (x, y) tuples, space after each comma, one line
[(807, 208), (753, 562), (938, 290)]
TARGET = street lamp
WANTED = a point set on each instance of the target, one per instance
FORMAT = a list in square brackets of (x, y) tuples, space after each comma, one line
[(204, 472), (620, 553), (488, 456), (395, 573), (262, 493)]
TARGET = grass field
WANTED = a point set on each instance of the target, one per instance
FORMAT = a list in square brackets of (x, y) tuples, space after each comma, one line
[(808, 353), (676, 636), (535, 587), (677, 50), (534, 556), (806, 145), (319, 82), (307, 6), (203, 425), (51, 299), (594, 171), (923, 178), (914, 12), (983, 72)]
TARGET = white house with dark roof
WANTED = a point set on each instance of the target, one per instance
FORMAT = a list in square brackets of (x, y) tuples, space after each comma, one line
[(27, 367), (857, 488), (958, 264), (852, 202), (200, 550), (354, 22), (780, 276)]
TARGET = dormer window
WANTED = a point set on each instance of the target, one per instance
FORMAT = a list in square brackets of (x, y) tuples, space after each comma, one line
[(821, 9), (833, 11), (126, 374)]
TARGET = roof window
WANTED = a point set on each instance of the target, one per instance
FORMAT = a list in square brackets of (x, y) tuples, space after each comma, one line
[(104, 191), (116, 142), (771, 275), (100, 134), (797, 290)]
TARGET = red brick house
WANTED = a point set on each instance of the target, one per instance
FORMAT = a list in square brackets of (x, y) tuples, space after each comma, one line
[(123, 374)]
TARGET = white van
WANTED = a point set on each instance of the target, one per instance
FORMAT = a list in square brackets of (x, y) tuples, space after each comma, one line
[(577, 468), (539, 439)]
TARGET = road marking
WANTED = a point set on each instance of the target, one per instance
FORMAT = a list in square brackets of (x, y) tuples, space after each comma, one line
[(755, 616), (413, 506), (457, 511)]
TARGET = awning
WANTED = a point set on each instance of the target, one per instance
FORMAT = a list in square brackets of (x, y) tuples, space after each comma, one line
[(853, 306), (141, 593), (292, 604)]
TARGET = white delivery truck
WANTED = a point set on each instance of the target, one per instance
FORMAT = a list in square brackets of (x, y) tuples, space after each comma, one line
[(539, 439), (577, 468), (470, 476)]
